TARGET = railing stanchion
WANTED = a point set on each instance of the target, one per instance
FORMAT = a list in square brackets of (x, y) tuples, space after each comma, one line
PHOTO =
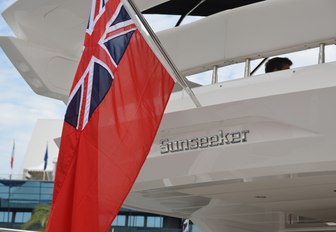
[(214, 75), (321, 58), (247, 67)]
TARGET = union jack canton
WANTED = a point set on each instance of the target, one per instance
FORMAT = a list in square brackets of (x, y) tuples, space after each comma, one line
[(104, 46)]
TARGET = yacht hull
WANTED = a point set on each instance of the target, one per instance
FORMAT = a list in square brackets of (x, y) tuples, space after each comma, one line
[(262, 154)]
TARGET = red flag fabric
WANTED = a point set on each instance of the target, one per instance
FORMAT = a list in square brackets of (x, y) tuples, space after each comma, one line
[(117, 100)]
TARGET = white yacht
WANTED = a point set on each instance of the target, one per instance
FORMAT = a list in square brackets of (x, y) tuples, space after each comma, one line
[(259, 155)]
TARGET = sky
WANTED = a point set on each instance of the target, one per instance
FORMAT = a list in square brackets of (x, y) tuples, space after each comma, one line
[(21, 107)]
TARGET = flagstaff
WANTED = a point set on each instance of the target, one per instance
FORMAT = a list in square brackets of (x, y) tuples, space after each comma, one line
[(12, 160)]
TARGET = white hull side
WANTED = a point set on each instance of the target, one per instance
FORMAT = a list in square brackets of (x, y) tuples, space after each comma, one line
[(289, 156)]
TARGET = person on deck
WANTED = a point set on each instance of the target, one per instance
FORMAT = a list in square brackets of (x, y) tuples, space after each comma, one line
[(277, 64)]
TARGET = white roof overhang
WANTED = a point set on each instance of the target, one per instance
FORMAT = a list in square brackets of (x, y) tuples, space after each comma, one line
[(50, 37)]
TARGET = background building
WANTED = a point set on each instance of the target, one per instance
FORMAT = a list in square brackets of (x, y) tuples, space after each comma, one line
[(18, 198)]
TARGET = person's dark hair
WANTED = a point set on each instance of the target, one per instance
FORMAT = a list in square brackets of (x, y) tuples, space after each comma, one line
[(277, 63)]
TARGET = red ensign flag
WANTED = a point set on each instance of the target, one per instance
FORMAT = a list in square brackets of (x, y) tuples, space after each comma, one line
[(116, 103)]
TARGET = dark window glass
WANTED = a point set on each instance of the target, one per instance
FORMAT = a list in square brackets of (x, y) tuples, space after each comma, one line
[(120, 220), (136, 221), (5, 216), (21, 217), (154, 222)]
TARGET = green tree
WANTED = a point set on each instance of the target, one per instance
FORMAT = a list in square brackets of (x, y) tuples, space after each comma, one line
[(39, 218)]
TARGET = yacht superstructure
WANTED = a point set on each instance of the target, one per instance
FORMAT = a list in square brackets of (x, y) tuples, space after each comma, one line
[(259, 155)]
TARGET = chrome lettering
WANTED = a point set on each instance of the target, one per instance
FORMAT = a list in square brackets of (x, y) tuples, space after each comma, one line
[(193, 143), (213, 141), (203, 142), (222, 138)]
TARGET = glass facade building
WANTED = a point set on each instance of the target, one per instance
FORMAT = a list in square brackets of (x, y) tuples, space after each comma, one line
[(18, 198)]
